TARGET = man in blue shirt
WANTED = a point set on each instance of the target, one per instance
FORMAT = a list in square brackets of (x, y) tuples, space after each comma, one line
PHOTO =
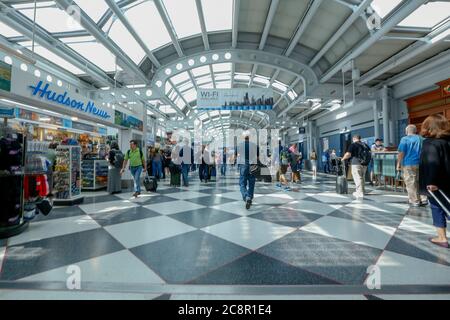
[(247, 160), (408, 161)]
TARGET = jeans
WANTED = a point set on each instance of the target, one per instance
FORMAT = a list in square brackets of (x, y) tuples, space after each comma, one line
[(136, 173), (157, 169), (246, 179), (223, 169), (326, 167), (359, 174), (185, 174), (439, 215), (203, 172)]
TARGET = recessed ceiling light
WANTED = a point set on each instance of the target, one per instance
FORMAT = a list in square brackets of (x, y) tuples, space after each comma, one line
[(203, 59), (59, 82), (8, 60), (179, 66), (191, 62), (215, 57), (159, 83), (149, 93), (24, 67), (228, 55), (37, 73), (49, 78), (168, 71)]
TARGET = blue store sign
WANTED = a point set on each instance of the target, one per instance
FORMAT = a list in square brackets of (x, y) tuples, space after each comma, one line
[(42, 91)]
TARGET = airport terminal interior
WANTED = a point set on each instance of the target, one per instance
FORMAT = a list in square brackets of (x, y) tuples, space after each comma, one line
[(232, 149)]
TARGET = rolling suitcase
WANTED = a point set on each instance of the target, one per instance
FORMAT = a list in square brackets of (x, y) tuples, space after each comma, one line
[(341, 182), (150, 184), (445, 208), (175, 179)]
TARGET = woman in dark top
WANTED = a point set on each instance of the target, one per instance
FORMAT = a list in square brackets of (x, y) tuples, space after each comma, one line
[(114, 178), (434, 170)]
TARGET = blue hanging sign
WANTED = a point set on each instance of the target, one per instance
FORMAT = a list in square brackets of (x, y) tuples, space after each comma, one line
[(42, 91)]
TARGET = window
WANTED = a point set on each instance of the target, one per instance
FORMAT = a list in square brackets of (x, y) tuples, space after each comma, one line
[(190, 95), (218, 14), (278, 85), (184, 17)]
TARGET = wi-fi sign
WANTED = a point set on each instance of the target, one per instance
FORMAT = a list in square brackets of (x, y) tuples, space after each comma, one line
[(74, 17)]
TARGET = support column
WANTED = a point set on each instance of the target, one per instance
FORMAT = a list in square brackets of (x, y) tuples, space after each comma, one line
[(385, 100), (376, 120)]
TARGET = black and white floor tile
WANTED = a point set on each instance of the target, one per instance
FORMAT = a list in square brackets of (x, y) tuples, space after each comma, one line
[(203, 235)]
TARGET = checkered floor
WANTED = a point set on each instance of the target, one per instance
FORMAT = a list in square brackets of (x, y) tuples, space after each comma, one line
[(203, 235)]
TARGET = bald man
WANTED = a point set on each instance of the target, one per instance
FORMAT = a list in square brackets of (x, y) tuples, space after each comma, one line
[(408, 162)]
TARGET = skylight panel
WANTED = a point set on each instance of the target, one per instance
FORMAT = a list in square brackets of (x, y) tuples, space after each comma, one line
[(50, 56), (279, 86), (94, 52), (185, 86), (52, 19), (223, 85), (428, 15), (184, 17), (221, 67), (180, 78), (8, 32), (200, 71), (242, 77), (209, 85), (166, 109), (384, 7), (261, 79), (190, 95), (94, 9), (148, 24), (120, 35), (218, 14)]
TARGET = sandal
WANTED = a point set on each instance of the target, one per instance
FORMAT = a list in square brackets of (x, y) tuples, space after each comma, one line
[(441, 244)]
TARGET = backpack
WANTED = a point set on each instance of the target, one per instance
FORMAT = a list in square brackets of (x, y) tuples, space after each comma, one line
[(365, 155), (284, 158), (118, 159)]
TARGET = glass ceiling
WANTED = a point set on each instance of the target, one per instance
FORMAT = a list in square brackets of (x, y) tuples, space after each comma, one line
[(428, 15)]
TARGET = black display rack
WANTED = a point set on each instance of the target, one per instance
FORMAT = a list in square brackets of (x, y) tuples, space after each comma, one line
[(7, 231)]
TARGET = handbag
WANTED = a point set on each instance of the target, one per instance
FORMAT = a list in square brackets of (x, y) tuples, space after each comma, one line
[(45, 206), (255, 169)]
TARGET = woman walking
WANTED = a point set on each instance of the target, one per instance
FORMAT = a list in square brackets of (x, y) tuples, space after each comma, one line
[(313, 157), (434, 171), (115, 158)]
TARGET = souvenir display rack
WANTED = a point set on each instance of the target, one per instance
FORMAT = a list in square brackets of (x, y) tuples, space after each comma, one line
[(94, 174), (67, 175)]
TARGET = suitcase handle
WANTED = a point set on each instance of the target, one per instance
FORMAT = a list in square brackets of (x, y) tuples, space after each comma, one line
[(440, 202)]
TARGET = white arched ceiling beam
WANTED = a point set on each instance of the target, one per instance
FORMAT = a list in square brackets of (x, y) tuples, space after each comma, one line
[(88, 24), (287, 65), (402, 11), (271, 60)]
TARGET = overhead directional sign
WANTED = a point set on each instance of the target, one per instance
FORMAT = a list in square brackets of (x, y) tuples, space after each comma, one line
[(235, 99)]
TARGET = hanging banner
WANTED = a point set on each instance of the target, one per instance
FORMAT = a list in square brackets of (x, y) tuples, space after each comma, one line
[(235, 99), (5, 76), (128, 121)]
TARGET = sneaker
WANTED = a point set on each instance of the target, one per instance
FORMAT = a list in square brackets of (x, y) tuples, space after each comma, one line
[(248, 204), (286, 189), (415, 205), (278, 186), (424, 203)]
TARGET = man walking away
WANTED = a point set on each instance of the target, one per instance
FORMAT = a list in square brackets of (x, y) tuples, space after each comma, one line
[(408, 161), (247, 178), (326, 161), (360, 156), (137, 163)]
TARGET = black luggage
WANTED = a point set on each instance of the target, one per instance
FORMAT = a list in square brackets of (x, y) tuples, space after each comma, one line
[(341, 181), (150, 184), (175, 179)]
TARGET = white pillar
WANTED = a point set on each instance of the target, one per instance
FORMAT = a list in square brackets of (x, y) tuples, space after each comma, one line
[(385, 99), (376, 120)]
